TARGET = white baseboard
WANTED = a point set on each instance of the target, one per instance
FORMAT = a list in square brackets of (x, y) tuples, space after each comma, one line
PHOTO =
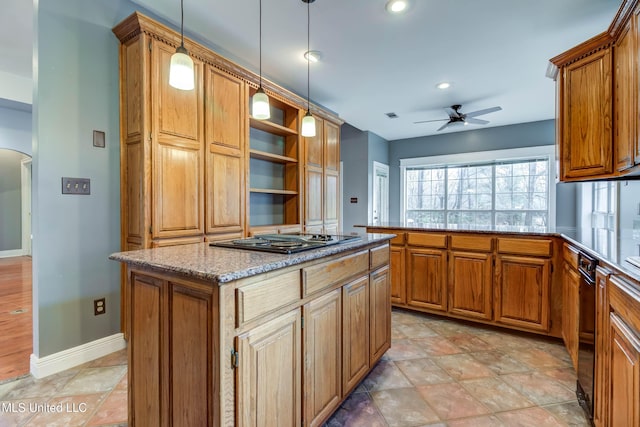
[(66, 359), (12, 253)]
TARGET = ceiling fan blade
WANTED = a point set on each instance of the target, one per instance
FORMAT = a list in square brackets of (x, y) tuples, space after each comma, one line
[(451, 112), (428, 121), (443, 126), (485, 111), (473, 121)]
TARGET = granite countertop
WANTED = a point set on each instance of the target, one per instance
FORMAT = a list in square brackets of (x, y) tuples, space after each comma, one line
[(623, 245), (222, 265), (538, 231)]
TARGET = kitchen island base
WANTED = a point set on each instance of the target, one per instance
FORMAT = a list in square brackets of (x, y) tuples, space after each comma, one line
[(281, 348)]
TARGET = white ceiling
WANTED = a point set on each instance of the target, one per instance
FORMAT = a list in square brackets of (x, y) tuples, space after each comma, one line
[(495, 52)]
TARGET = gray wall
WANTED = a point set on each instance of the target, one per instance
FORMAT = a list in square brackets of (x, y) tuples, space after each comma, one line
[(354, 147), (10, 200), (496, 138), (15, 127), (75, 92)]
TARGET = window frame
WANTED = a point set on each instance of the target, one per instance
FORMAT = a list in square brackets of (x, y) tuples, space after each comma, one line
[(479, 157)]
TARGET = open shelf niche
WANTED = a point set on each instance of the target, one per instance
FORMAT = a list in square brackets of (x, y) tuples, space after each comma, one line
[(274, 168)]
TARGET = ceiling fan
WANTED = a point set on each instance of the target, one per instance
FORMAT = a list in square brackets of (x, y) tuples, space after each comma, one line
[(455, 116)]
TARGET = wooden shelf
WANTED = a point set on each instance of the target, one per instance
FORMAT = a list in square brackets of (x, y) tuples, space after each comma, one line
[(272, 191), (263, 155), (267, 126)]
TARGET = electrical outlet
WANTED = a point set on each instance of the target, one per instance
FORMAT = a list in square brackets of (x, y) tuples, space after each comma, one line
[(76, 186), (99, 307)]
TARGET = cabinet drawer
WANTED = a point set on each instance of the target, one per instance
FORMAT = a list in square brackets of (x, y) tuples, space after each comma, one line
[(323, 275), (255, 299), (570, 255), (379, 256), (399, 239), (472, 243), (430, 240), (542, 247), (624, 298)]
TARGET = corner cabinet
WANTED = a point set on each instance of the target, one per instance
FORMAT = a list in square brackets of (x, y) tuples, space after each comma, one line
[(597, 117)]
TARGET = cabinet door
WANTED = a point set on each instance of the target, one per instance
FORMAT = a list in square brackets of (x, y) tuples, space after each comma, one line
[(331, 147), (268, 373), (331, 199), (427, 278), (314, 146), (398, 289), (355, 332), (379, 314), (601, 391), (322, 380), (522, 292), (226, 129), (625, 97), (571, 312), (587, 137), (313, 197), (178, 151), (624, 382), (470, 284)]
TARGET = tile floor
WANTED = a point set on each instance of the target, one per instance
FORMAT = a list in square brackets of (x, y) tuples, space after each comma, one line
[(438, 372)]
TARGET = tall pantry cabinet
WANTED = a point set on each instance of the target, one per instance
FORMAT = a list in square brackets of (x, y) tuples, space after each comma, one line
[(187, 159)]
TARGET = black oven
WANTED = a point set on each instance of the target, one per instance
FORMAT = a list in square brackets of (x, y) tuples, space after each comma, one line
[(586, 350)]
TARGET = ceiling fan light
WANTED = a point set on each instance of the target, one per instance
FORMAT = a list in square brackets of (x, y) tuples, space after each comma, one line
[(260, 105), (181, 74), (313, 55), (308, 125), (443, 85)]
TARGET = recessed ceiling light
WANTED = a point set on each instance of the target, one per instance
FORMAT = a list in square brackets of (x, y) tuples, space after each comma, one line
[(313, 55), (443, 85), (397, 6)]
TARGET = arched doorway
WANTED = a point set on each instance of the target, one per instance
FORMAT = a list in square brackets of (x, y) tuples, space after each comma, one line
[(16, 339)]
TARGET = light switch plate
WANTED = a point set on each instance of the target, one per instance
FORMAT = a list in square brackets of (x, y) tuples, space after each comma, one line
[(76, 186), (98, 139)]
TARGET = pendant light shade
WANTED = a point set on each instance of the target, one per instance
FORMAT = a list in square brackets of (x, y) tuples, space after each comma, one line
[(260, 108), (181, 74), (308, 127)]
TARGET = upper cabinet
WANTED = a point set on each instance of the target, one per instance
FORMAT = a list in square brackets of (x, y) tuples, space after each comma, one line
[(196, 166), (597, 115)]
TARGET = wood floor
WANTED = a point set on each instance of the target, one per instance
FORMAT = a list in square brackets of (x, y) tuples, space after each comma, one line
[(16, 317)]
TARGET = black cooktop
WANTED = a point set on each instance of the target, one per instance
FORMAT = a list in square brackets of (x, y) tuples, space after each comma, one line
[(286, 243)]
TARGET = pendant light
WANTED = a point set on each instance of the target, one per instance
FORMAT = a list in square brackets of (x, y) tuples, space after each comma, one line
[(308, 122), (181, 74), (260, 107)]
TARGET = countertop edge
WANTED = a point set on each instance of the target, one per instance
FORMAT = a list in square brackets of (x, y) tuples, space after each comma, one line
[(133, 259)]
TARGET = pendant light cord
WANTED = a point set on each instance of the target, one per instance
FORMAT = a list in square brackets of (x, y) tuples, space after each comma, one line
[(182, 23), (260, 38), (308, 52)]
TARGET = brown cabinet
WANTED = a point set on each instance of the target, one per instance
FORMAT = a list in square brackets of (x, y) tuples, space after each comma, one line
[(397, 261), (225, 135), (586, 144), (355, 332), (322, 179), (379, 314), (597, 117), (601, 391), (471, 284), (571, 311), (522, 291), (427, 278), (268, 373), (625, 104), (322, 379)]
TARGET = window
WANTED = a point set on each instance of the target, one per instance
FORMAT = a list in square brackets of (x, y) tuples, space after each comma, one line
[(506, 194), (603, 217)]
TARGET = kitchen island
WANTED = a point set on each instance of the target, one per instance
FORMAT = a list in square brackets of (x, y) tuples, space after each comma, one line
[(222, 336)]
